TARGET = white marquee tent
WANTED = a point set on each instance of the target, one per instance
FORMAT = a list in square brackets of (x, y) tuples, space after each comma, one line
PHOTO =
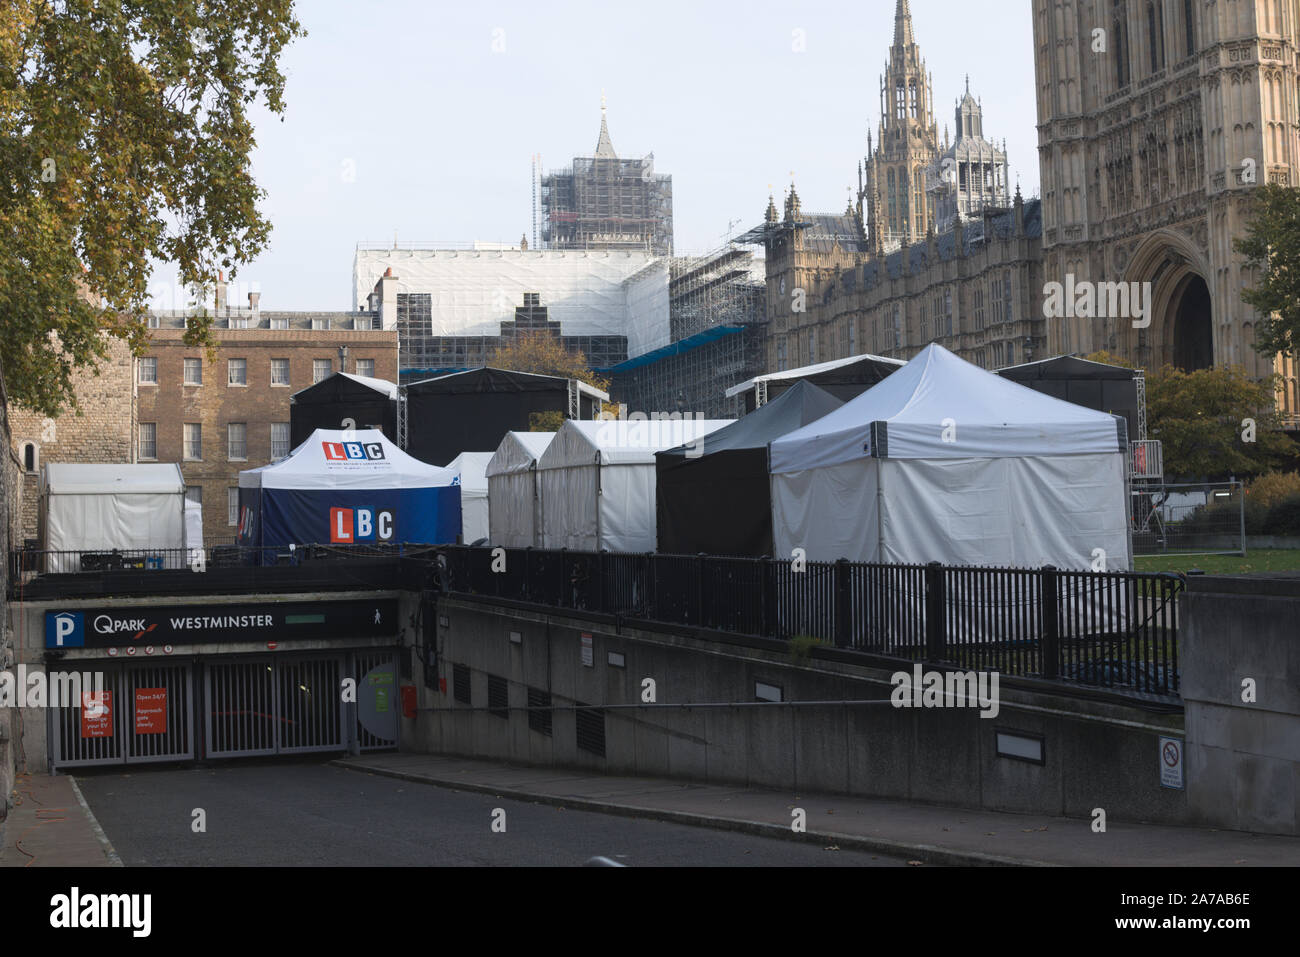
[(944, 462), (514, 499), (90, 508), (474, 508), (597, 481)]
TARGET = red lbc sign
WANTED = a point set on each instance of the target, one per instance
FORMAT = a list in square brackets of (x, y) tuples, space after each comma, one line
[(150, 710), (97, 714)]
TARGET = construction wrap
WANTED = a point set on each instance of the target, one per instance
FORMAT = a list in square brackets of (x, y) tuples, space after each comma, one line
[(590, 293), (514, 496)]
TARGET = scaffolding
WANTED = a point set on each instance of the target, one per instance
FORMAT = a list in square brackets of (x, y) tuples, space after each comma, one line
[(608, 203), (718, 321)]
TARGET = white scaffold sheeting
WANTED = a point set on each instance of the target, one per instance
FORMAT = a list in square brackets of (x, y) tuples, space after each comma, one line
[(590, 293), (514, 496)]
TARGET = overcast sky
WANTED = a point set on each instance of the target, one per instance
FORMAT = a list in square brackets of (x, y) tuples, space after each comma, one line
[(420, 118)]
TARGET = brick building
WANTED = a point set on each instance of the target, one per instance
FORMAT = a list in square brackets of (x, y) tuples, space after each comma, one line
[(102, 431), (218, 418)]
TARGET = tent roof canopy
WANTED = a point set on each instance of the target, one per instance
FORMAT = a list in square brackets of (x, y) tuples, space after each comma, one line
[(70, 479), (489, 379), (813, 370), (1067, 367), (341, 385), (335, 459), (941, 407), (471, 468), (518, 452), (801, 404), (622, 442)]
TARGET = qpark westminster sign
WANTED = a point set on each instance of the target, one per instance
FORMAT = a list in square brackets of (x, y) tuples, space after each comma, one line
[(149, 628)]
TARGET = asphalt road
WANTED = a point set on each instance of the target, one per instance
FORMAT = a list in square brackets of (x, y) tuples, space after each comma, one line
[(311, 814)]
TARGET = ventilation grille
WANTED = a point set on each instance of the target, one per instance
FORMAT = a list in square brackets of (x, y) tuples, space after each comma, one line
[(591, 729), (460, 683), (539, 711), (498, 696)]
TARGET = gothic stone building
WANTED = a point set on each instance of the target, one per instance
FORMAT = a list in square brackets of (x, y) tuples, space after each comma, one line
[(976, 290), (1157, 119), (883, 278)]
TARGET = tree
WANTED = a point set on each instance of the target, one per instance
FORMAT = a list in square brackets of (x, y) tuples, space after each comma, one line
[(543, 353), (124, 139), (1105, 358), (1272, 246), (1215, 423)]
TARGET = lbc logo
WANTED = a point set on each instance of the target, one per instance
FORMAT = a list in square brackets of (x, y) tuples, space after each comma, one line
[(349, 525), (353, 451)]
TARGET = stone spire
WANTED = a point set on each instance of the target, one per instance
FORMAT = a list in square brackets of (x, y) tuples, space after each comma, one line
[(903, 25), (604, 148)]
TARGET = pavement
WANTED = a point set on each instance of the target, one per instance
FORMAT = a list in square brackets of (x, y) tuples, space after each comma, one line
[(927, 833), (50, 825)]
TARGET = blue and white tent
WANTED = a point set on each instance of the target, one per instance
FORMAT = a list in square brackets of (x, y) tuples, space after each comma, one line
[(346, 488)]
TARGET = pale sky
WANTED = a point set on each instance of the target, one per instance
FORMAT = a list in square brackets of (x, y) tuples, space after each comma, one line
[(420, 118)]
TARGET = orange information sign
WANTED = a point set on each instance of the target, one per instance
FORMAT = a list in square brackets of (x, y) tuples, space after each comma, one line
[(150, 710), (97, 714)]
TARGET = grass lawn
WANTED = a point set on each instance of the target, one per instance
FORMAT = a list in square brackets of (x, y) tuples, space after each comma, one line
[(1256, 560)]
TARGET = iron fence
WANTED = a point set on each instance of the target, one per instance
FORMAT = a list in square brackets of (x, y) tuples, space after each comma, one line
[(1108, 629), (1189, 519), (27, 564)]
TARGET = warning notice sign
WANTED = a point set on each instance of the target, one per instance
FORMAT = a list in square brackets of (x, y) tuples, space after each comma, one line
[(150, 710), (97, 714), (1171, 763)]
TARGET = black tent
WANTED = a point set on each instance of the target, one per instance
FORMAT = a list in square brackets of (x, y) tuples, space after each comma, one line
[(843, 378), (472, 411), (329, 404), (715, 497), (1093, 385)]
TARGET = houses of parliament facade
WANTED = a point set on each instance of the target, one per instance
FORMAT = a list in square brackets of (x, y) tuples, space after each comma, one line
[(1156, 120)]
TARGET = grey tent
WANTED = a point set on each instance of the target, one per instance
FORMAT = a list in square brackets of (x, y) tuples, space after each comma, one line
[(715, 496)]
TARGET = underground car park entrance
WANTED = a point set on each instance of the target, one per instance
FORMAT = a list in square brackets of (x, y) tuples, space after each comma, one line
[(218, 678)]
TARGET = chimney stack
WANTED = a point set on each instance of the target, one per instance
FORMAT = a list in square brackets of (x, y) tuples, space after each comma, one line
[(221, 293)]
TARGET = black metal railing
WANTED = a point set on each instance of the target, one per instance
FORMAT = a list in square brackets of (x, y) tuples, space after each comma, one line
[(28, 564), (1109, 629)]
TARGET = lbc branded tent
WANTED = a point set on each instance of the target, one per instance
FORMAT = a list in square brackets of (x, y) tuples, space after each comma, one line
[(514, 498), (469, 469), (716, 498), (348, 488), (944, 462), (598, 481)]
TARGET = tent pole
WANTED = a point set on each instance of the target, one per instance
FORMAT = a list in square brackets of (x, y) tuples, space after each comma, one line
[(880, 510)]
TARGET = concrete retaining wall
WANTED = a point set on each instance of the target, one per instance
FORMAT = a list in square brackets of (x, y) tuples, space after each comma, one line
[(1243, 757), (1099, 752)]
